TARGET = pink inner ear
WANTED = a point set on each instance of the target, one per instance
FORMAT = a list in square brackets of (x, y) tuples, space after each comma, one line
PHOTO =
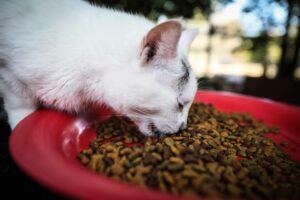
[(165, 37)]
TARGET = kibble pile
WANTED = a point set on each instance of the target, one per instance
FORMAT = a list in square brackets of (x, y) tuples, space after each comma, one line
[(219, 155)]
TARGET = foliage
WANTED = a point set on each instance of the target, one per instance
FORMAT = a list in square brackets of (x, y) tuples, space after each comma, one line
[(154, 8)]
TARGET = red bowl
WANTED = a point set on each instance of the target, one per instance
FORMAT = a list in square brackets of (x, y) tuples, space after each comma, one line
[(45, 145)]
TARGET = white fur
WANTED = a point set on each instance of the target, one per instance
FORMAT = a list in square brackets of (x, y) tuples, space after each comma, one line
[(67, 53)]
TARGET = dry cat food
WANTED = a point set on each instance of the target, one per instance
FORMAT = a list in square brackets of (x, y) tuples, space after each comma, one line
[(218, 155)]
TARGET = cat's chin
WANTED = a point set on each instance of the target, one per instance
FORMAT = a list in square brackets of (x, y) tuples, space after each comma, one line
[(156, 132), (149, 129), (144, 129)]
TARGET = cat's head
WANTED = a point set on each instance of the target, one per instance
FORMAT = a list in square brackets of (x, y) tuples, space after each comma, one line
[(169, 85)]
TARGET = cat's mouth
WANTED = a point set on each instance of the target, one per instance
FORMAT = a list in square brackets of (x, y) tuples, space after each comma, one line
[(155, 131)]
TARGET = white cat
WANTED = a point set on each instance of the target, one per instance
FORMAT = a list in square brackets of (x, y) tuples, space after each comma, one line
[(69, 54)]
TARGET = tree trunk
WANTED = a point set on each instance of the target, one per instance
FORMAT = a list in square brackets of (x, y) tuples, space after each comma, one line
[(295, 60), (209, 48), (283, 65)]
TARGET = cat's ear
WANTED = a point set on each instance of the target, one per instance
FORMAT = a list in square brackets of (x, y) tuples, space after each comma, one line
[(186, 39), (161, 42)]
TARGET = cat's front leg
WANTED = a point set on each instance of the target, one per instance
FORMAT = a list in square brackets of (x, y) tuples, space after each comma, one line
[(17, 107)]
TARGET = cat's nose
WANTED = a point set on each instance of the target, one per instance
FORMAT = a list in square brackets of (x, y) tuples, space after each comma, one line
[(182, 126)]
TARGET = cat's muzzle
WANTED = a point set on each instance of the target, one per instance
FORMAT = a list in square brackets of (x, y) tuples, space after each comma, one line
[(155, 130)]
